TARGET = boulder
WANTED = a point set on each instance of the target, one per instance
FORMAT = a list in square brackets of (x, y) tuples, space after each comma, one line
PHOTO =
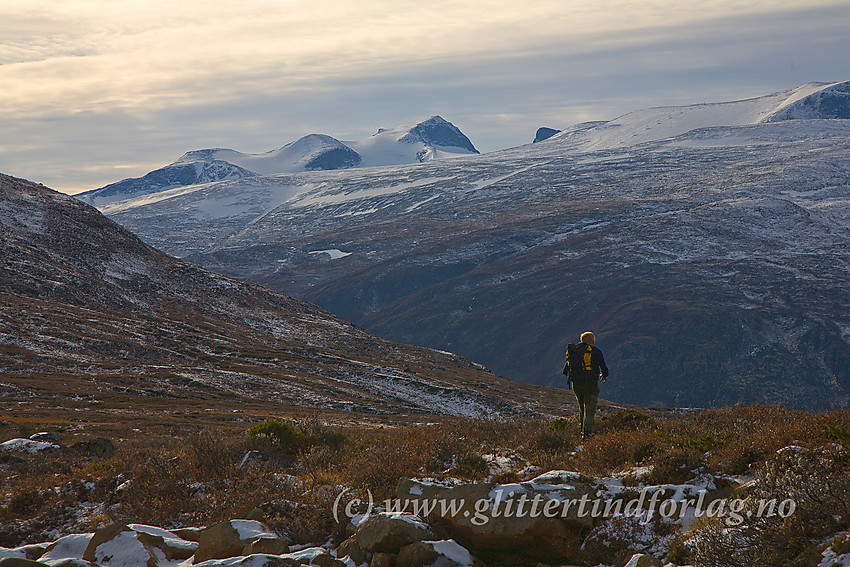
[(267, 545), (70, 547), (382, 560), (522, 522), (389, 532), (120, 546), (172, 545), (443, 553), (189, 534), (20, 562), (47, 437), (229, 539), (352, 549)]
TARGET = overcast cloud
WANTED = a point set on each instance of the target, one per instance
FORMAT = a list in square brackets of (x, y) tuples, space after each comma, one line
[(93, 92)]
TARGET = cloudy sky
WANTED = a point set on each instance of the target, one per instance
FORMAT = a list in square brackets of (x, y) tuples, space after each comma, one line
[(92, 92)]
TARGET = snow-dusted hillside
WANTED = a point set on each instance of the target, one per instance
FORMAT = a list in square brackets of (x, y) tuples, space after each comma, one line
[(83, 301), (727, 245), (434, 138)]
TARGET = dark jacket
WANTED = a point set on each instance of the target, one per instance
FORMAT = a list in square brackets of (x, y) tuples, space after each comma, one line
[(597, 360)]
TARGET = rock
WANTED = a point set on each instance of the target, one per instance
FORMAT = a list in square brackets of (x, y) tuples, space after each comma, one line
[(502, 523), (352, 549), (34, 551), (172, 545), (26, 446), (443, 553), (417, 554), (642, 560), (229, 538), (382, 560), (20, 562), (388, 532), (120, 546), (73, 563), (325, 560), (267, 545), (544, 133), (47, 437), (97, 447), (189, 534), (70, 547)]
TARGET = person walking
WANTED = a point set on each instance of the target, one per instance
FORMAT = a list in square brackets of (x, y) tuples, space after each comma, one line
[(585, 365)]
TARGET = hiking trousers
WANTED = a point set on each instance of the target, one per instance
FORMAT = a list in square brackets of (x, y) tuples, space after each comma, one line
[(587, 395)]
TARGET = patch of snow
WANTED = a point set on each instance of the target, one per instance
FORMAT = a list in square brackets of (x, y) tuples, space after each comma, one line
[(334, 253)]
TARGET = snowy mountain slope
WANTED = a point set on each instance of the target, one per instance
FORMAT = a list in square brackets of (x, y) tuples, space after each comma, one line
[(712, 264), (434, 138), (89, 310), (654, 124)]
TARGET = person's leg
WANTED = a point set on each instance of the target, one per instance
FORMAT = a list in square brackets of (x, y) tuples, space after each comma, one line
[(581, 413), (590, 401)]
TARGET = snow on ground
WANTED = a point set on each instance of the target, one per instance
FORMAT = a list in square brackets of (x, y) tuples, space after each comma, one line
[(660, 123), (334, 253), (333, 197)]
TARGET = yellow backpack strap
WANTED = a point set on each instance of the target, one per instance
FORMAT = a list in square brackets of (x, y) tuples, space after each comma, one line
[(587, 356)]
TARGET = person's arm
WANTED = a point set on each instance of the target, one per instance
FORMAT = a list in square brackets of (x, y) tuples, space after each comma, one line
[(602, 365)]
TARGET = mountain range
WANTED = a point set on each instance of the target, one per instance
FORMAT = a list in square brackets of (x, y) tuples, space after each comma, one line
[(434, 138), (706, 245), (88, 312)]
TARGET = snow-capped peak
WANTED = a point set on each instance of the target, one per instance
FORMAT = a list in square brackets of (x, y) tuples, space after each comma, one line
[(434, 138)]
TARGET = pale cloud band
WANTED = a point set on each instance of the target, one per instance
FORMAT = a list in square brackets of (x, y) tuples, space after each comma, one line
[(87, 73)]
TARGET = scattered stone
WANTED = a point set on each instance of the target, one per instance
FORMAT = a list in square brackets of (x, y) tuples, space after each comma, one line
[(97, 447), (388, 533)]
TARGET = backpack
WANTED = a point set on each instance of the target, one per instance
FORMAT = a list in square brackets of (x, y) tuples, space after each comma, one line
[(579, 363)]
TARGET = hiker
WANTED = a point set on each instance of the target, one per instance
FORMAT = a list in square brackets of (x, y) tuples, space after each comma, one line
[(584, 365)]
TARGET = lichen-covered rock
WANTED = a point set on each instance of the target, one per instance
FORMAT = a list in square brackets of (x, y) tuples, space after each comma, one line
[(442, 553), (388, 532)]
